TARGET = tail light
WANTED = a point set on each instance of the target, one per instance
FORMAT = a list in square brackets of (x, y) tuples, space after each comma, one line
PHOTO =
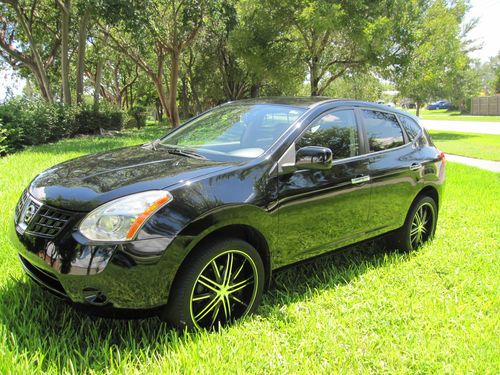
[(442, 156)]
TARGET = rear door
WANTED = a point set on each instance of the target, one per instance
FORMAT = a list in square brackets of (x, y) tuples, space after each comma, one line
[(321, 210), (392, 168)]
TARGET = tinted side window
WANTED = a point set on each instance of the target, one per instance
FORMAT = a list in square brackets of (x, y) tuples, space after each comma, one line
[(383, 130), (410, 126), (337, 131)]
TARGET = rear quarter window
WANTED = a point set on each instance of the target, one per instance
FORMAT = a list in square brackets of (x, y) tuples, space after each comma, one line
[(410, 126), (382, 129)]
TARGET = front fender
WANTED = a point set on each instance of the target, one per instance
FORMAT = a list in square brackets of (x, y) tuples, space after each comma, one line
[(228, 217)]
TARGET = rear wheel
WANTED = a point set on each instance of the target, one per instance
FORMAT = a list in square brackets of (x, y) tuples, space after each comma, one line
[(219, 283), (419, 227)]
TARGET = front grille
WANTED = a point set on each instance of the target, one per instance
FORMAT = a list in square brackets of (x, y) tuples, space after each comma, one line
[(43, 278), (40, 220), (20, 204), (48, 222)]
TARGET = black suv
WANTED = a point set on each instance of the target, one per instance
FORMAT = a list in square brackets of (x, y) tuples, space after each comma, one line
[(192, 224)]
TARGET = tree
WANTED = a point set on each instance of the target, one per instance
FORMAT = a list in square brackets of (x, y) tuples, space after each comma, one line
[(464, 84), (333, 38), (169, 27), (84, 13), (436, 54), (358, 85), (264, 51), (29, 39), (113, 76), (489, 74), (65, 10)]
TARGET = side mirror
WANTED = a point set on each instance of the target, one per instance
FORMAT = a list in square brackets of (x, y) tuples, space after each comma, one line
[(314, 157)]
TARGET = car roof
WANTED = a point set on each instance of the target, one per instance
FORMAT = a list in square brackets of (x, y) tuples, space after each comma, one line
[(308, 102), (295, 101)]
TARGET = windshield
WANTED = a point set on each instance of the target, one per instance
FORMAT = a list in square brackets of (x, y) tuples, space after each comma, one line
[(238, 131)]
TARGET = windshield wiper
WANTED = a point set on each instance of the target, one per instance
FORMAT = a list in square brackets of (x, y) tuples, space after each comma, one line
[(152, 145), (185, 152)]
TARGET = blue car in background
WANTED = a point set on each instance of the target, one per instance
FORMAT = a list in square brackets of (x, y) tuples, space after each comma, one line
[(441, 104)]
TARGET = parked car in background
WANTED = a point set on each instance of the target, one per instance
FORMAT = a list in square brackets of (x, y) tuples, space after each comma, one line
[(192, 225), (389, 104), (408, 104), (441, 104)]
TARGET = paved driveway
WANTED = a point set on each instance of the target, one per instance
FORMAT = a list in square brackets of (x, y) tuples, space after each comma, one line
[(489, 165), (463, 126)]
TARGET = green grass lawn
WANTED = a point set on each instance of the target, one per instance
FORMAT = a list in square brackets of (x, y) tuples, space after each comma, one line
[(364, 310), (443, 114), (482, 146)]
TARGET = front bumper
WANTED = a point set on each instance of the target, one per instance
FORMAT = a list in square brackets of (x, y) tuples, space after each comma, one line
[(120, 276)]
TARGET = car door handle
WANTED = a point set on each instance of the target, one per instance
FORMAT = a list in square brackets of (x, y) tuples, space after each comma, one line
[(415, 166), (360, 180)]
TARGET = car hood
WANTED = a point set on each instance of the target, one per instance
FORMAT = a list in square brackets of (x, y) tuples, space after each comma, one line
[(84, 183)]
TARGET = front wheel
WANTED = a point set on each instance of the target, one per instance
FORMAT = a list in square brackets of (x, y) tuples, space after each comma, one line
[(419, 227), (219, 283)]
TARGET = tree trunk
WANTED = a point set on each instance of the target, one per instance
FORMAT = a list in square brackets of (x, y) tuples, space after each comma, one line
[(184, 98), (98, 74), (42, 77), (254, 90), (98, 79), (172, 98), (65, 16), (159, 111), (313, 72), (82, 44), (162, 95), (45, 91), (417, 106)]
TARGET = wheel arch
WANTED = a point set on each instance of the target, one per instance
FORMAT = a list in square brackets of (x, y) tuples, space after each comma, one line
[(429, 191), (245, 232)]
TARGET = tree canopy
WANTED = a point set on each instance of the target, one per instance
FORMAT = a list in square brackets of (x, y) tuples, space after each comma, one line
[(181, 57)]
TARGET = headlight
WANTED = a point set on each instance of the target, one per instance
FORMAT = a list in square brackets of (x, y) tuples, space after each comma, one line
[(121, 219)]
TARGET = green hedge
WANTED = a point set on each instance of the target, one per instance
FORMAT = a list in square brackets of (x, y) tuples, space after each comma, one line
[(27, 122)]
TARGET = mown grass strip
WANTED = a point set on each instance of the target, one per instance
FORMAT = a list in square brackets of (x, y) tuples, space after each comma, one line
[(480, 146)]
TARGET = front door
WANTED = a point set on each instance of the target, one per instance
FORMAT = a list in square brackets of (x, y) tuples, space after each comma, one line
[(322, 210)]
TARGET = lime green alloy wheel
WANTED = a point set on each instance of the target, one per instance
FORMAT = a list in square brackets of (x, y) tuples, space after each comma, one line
[(225, 289), (422, 225), (219, 283), (419, 226)]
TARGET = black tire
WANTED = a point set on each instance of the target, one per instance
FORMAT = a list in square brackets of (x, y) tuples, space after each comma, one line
[(419, 226), (204, 295)]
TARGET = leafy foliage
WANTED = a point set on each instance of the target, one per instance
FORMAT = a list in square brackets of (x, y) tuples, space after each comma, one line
[(27, 123), (437, 60), (138, 113), (3, 138)]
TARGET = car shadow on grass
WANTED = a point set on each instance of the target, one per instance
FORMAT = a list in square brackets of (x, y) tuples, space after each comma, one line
[(38, 322)]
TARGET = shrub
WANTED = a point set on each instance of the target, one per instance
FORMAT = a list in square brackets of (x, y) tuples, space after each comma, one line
[(31, 122), (3, 143), (138, 113)]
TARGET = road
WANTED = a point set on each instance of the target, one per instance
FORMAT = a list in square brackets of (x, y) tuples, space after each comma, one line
[(463, 126)]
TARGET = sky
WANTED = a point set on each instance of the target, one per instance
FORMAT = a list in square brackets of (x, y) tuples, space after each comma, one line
[(487, 33), (487, 30)]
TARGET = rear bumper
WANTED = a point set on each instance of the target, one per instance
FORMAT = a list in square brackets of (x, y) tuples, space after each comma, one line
[(98, 276)]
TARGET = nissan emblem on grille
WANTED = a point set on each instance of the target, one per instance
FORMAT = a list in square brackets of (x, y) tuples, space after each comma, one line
[(38, 219), (30, 212)]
